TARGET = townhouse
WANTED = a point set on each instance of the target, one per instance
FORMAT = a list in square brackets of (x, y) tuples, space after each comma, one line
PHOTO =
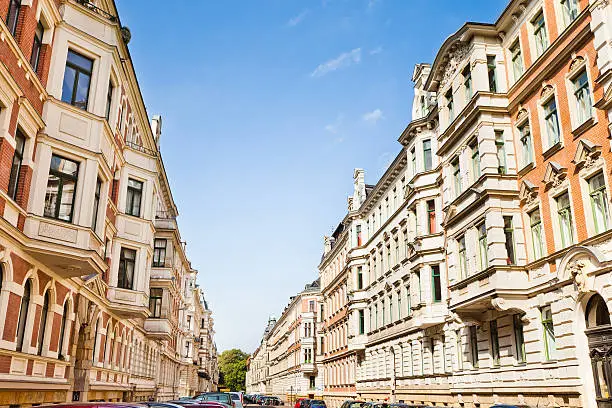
[(286, 364), (100, 298), (475, 270)]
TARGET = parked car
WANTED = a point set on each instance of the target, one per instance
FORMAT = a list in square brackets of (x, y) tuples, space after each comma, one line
[(100, 404), (236, 398), (302, 403), (317, 404), (155, 404), (352, 404), (271, 401), (298, 403), (223, 397)]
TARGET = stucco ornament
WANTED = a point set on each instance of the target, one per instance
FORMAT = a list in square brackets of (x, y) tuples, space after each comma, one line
[(455, 58), (578, 273)]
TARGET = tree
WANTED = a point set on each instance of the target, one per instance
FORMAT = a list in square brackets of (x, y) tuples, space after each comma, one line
[(232, 368)]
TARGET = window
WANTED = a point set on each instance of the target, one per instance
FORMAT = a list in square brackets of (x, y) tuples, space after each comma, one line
[(16, 165), (359, 277), (525, 137), (462, 258), (427, 154), (509, 235), (475, 159), (109, 100), (494, 342), (537, 237), (361, 322), (450, 105), (517, 60), (570, 11), (159, 253), (417, 277), (519, 339), (456, 176), (375, 326), (311, 382), (483, 247), (492, 73), (12, 18), (383, 310), (399, 304), (61, 186), (23, 314), (549, 333), (467, 82), (311, 306), (459, 350), (564, 212), (134, 197), (94, 215), (95, 345), (539, 33), (155, 302), (408, 303), (599, 202), (582, 94), (390, 309), (500, 146), (63, 323), (42, 327), (77, 78), (414, 162), (37, 46), (321, 312), (127, 263), (358, 233), (552, 122), (474, 346), (436, 283), (431, 216)]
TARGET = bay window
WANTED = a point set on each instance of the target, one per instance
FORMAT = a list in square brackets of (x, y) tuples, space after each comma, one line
[(134, 197), (61, 188), (77, 80), (427, 162), (16, 164), (509, 235), (482, 246), (127, 265)]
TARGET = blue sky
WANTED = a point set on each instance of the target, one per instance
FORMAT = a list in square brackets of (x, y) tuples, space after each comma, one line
[(267, 108)]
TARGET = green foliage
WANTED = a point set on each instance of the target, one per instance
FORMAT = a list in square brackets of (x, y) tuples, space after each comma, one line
[(232, 367)]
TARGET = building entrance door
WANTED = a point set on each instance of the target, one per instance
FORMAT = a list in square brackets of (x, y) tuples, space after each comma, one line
[(599, 333)]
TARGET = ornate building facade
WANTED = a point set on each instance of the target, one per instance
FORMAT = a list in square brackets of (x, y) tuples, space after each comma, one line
[(286, 363), (475, 270), (100, 299)]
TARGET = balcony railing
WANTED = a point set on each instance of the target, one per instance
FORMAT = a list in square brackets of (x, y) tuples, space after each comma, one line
[(89, 5)]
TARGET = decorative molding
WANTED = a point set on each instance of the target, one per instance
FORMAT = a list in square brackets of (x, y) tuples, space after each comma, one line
[(455, 58), (528, 192), (555, 174), (587, 154)]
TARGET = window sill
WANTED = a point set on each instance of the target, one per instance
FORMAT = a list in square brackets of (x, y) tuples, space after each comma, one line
[(526, 169), (552, 150), (586, 125)]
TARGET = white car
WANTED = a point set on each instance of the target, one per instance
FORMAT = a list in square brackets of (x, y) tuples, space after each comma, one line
[(237, 399)]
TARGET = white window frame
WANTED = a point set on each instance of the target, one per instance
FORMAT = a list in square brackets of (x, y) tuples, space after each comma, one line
[(577, 70), (546, 142)]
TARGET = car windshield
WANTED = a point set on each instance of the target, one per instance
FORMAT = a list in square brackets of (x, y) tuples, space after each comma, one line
[(235, 397), (215, 397)]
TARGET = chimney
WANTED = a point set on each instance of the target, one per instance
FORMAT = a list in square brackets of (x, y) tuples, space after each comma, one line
[(359, 192), (156, 128)]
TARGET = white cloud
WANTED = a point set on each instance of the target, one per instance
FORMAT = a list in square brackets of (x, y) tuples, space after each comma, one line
[(297, 19), (334, 127), (344, 60), (376, 50), (373, 117)]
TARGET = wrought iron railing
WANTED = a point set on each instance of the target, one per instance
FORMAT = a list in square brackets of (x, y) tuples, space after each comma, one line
[(89, 5)]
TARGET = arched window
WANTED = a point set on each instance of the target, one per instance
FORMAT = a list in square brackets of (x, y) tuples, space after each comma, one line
[(23, 314), (42, 327), (597, 312), (60, 347)]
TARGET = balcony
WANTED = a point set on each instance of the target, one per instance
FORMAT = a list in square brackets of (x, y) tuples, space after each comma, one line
[(158, 328), (164, 220), (129, 303), (308, 367), (69, 250), (497, 287)]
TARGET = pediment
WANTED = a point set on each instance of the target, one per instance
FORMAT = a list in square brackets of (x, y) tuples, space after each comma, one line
[(528, 192), (555, 174), (94, 283), (522, 116), (586, 154), (450, 213)]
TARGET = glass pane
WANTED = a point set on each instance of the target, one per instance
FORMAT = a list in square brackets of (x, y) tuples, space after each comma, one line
[(65, 210), (80, 61), (51, 195), (68, 84), (64, 166), (82, 92)]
